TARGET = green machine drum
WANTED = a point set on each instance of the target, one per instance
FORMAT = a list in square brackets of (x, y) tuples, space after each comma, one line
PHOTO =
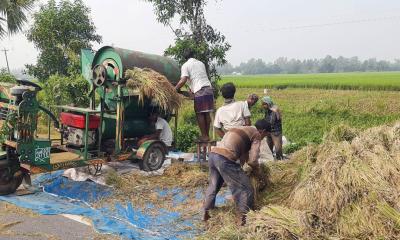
[(105, 70)]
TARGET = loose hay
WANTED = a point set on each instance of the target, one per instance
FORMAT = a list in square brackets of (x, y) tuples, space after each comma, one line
[(141, 191), (341, 133), (152, 85), (346, 188)]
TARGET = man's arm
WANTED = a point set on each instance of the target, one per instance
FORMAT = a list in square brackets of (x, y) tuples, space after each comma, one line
[(154, 136), (247, 121), (181, 82), (246, 114), (218, 125), (219, 132), (254, 154), (277, 112)]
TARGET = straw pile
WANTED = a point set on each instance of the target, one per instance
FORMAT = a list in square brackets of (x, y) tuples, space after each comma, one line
[(140, 190), (152, 85), (346, 188)]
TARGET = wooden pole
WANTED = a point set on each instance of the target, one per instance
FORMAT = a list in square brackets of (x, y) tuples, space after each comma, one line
[(5, 54)]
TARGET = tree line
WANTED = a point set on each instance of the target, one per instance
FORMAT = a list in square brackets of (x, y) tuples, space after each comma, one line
[(328, 64)]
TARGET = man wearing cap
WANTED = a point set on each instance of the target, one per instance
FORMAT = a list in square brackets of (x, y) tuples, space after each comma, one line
[(231, 114), (274, 118), (238, 146)]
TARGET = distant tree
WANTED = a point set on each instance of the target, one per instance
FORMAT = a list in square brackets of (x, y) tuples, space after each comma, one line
[(6, 77), (60, 30), (227, 68), (281, 62), (327, 65), (273, 68), (370, 65), (294, 66), (193, 32), (13, 15), (396, 65), (310, 65), (354, 65), (383, 66)]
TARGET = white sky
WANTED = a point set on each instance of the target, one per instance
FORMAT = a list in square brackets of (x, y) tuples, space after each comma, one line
[(265, 29)]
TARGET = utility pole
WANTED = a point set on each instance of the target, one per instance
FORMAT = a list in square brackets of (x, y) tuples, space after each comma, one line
[(5, 54)]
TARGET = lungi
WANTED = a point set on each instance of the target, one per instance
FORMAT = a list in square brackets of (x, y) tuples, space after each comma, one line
[(204, 100)]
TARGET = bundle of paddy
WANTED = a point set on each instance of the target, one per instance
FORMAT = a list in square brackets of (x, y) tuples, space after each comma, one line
[(341, 133), (260, 180), (152, 85), (344, 190)]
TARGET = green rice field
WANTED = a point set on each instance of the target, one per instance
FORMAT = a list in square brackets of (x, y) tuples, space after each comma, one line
[(310, 113), (312, 104), (344, 81)]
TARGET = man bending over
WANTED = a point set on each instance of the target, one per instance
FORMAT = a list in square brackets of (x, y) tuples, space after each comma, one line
[(239, 145)]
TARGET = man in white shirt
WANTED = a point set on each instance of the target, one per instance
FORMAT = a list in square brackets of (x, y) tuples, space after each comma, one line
[(232, 114), (163, 130), (194, 74)]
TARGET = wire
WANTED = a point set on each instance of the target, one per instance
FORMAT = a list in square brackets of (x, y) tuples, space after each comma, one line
[(337, 23)]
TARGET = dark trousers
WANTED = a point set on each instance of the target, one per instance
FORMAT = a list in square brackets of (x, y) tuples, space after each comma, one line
[(275, 140), (224, 170)]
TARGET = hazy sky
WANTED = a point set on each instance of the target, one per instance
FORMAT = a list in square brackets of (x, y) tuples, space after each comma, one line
[(265, 29)]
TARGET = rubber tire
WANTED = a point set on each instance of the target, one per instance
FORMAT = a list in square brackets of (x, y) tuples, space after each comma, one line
[(145, 165), (11, 186)]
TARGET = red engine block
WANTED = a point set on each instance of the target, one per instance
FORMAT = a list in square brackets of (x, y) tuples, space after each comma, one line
[(78, 120)]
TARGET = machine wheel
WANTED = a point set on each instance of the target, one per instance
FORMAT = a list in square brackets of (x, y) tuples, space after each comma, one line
[(9, 184), (153, 158)]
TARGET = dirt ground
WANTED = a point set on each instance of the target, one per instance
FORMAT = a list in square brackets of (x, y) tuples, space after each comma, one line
[(19, 223)]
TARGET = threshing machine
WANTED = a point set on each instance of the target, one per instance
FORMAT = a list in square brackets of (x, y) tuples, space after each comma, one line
[(108, 130)]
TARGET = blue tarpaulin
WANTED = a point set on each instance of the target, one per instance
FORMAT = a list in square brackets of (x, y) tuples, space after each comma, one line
[(64, 196)]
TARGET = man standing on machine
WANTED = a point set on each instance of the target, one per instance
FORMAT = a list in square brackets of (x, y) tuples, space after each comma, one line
[(194, 74)]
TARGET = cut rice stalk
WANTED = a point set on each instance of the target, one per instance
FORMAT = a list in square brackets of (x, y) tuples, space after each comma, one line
[(152, 85)]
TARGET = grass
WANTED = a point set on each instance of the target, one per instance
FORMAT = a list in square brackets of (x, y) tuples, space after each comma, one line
[(310, 113), (344, 81)]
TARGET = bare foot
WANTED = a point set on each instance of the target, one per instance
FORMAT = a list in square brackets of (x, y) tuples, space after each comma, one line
[(206, 216)]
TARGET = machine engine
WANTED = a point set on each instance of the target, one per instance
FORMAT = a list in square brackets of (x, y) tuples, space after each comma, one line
[(74, 130)]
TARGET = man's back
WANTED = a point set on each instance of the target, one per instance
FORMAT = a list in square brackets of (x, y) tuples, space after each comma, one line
[(166, 133), (231, 115), (196, 71), (238, 142)]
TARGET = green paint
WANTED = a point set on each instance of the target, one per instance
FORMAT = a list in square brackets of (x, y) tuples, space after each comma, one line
[(35, 152), (87, 56)]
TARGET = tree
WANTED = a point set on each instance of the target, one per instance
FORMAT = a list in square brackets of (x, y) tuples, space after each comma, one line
[(62, 90), (253, 66), (60, 30), (193, 32), (327, 65), (227, 68), (6, 77), (13, 15)]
